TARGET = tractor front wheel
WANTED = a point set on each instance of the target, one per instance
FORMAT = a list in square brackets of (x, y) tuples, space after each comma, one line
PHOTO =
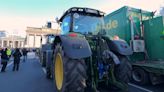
[(124, 70), (123, 73)]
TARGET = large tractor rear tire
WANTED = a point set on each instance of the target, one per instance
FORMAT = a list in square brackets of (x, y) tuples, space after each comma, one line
[(69, 74)]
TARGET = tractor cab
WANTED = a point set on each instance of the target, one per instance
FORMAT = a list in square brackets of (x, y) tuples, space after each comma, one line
[(48, 39), (46, 48), (82, 20)]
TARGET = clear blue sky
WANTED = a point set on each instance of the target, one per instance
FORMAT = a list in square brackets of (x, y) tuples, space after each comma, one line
[(42, 7), (18, 14)]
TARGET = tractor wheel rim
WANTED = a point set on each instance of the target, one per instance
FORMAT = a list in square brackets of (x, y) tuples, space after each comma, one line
[(58, 71)]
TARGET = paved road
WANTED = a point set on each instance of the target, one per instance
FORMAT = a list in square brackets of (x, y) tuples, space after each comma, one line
[(31, 78), (132, 88), (155, 88)]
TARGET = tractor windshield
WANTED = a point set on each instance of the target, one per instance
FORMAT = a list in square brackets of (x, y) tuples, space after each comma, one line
[(87, 24)]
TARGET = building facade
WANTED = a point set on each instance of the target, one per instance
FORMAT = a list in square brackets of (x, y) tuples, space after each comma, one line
[(34, 36), (11, 41)]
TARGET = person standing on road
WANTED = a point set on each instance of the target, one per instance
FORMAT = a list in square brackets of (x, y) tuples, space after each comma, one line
[(17, 54), (24, 51), (4, 59)]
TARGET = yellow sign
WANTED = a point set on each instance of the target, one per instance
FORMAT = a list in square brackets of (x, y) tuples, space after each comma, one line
[(112, 24)]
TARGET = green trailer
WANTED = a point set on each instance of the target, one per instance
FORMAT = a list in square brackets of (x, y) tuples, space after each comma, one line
[(145, 34), (118, 23), (154, 34)]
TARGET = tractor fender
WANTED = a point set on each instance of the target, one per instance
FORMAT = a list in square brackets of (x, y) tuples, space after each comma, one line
[(120, 47), (75, 47), (46, 47)]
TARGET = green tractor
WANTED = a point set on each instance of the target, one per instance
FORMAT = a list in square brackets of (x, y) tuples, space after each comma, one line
[(85, 58)]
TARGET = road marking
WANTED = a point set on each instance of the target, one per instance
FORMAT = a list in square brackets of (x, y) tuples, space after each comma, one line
[(139, 87), (44, 70), (9, 64)]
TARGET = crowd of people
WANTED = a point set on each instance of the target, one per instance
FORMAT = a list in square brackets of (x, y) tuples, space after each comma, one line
[(16, 53)]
